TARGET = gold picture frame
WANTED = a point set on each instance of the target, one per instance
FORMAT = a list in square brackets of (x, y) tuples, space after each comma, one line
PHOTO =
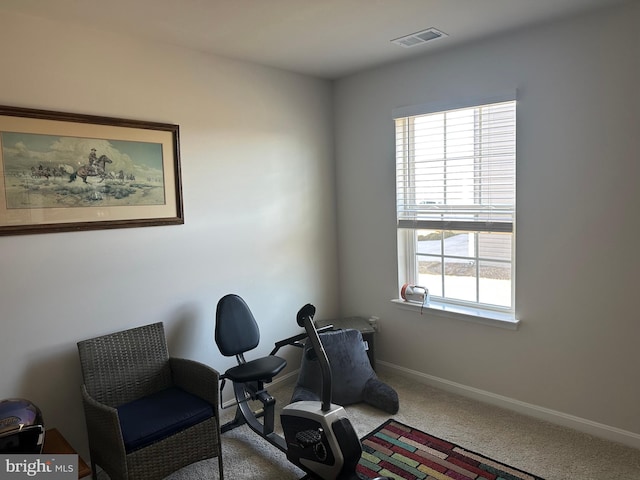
[(63, 172)]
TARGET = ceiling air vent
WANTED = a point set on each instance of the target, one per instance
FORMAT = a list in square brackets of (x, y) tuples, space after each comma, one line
[(419, 38)]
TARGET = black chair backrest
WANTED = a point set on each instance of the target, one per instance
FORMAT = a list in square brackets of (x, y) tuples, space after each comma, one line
[(236, 329)]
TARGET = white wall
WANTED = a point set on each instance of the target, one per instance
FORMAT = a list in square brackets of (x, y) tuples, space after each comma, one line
[(576, 352), (259, 206)]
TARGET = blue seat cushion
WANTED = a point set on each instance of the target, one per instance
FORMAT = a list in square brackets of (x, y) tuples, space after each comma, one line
[(160, 415)]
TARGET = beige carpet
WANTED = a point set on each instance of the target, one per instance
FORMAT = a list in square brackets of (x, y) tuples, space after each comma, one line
[(547, 450)]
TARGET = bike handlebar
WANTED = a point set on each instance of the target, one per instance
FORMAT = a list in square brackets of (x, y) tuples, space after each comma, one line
[(305, 318), (295, 339)]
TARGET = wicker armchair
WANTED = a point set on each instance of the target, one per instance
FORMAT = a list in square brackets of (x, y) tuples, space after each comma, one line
[(147, 414)]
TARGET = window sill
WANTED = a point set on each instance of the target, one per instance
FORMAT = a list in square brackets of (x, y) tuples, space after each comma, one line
[(475, 315)]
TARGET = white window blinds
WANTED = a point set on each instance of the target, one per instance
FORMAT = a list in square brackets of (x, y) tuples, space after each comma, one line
[(456, 168)]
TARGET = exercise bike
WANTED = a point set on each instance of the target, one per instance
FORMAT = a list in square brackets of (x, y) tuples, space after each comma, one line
[(318, 436)]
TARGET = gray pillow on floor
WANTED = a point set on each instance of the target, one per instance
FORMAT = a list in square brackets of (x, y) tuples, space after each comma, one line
[(353, 378)]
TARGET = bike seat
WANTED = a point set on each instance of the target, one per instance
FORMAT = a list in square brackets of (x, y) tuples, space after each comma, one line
[(237, 332), (261, 369)]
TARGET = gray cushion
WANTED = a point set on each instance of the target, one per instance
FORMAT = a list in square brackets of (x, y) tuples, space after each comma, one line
[(353, 378)]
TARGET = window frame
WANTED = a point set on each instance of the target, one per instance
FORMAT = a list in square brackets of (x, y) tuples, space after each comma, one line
[(407, 236)]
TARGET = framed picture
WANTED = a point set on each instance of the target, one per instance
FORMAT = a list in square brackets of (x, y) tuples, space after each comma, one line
[(66, 172)]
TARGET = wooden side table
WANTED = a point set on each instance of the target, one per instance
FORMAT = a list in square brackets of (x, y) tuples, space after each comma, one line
[(355, 323), (54, 442)]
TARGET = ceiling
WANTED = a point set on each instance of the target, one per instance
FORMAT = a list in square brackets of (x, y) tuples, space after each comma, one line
[(323, 38)]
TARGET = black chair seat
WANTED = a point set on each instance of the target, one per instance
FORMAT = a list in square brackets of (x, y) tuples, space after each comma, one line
[(160, 415), (260, 369)]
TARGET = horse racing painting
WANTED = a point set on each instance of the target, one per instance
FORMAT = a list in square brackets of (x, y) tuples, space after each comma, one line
[(62, 172)]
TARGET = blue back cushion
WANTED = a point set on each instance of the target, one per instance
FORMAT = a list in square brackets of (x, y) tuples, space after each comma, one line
[(160, 415)]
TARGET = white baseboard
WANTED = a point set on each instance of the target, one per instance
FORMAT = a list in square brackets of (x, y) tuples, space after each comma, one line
[(581, 424)]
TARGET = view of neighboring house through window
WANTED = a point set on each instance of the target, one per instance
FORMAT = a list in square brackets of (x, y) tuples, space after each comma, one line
[(456, 202)]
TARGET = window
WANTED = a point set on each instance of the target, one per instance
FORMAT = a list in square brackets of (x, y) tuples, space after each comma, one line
[(456, 202)]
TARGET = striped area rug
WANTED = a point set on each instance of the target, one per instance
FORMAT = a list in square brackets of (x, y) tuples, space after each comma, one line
[(398, 451)]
